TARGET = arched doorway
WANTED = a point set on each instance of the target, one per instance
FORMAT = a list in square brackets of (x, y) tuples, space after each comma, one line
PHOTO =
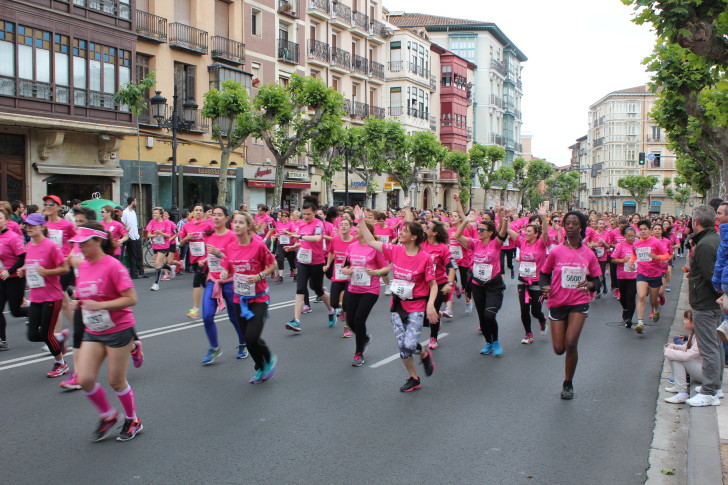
[(446, 200), (426, 199)]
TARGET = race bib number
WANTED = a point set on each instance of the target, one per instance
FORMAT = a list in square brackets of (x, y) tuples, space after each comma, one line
[(305, 256), (599, 251), (527, 269), (483, 271), (56, 235), (643, 254), (284, 239), (571, 276), (197, 248), (158, 240), (97, 320), (402, 289), (457, 252), (506, 242), (383, 239), (34, 279), (339, 274), (679, 235), (630, 267), (213, 263), (241, 287), (361, 278)]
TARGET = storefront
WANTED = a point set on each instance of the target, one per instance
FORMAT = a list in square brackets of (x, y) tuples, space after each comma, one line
[(196, 185), (260, 182), (655, 207), (393, 191), (629, 207), (357, 194)]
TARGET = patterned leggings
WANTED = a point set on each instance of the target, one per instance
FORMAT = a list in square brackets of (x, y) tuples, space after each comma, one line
[(407, 333)]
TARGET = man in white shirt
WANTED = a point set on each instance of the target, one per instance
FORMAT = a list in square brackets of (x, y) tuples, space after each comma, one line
[(134, 243)]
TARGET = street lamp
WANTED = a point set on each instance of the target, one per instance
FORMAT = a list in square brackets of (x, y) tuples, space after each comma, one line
[(613, 196), (175, 124)]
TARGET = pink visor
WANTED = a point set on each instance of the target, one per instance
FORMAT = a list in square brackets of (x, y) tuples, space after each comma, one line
[(83, 234)]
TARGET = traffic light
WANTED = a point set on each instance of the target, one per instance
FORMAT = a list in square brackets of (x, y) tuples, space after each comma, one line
[(642, 158)]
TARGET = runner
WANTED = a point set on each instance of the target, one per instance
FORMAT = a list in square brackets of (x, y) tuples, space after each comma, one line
[(615, 237), (414, 292), (281, 239), (44, 263), (193, 235), (649, 254), (570, 272), (12, 286), (339, 280), (156, 231), (669, 234), (172, 253), (115, 228), (462, 256), (248, 261), (386, 234), (508, 253), (667, 245), (626, 273), (436, 246), (60, 231), (104, 294), (600, 245)]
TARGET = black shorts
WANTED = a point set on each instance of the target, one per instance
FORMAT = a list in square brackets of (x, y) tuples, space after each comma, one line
[(172, 248), (68, 279), (655, 282), (163, 251), (115, 340), (561, 313)]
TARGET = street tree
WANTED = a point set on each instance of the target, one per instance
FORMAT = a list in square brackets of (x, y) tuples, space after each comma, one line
[(501, 178), (328, 153), (639, 186), (422, 151), (681, 192), (365, 144), (459, 162), (287, 118), (534, 173), (230, 112), (483, 159), (562, 187)]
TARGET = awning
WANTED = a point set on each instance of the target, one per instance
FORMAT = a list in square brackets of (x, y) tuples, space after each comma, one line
[(76, 180), (294, 185), (78, 170), (629, 202), (261, 184), (656, 202)]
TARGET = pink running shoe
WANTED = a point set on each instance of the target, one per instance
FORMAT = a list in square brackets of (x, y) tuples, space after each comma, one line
[(137, 356), (71, 384), (662, 301), (433, 344), (347, 332), (166, 278)]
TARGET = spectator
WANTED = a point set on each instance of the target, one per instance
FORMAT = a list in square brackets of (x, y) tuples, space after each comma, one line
[(684, 360), (706, 311), (31, 209), (134, 243), (18, 214), (72, 204)]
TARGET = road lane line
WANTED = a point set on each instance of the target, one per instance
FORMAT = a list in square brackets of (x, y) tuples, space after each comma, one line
[(394, 357)]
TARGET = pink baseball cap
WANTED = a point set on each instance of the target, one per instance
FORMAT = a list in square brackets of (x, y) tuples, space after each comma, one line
[(83, 234)]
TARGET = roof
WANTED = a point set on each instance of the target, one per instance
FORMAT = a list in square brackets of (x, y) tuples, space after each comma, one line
[(434, 23), (642, 90)]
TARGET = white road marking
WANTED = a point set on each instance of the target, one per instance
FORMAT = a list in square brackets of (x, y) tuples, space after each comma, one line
[(394, 357)]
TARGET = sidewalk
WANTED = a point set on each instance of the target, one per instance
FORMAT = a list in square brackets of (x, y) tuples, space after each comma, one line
[(687, 441)]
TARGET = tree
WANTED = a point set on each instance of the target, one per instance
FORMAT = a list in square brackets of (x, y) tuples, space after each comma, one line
[(562, 187), (373, 147), (459, 163), (328, 153), (232, 123), (422, 151), (681, 193), (534, 172), (501, 178), (286, 118), (639, 186), (483, 159)]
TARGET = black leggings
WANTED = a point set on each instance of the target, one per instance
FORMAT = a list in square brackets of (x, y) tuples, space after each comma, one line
[(439, 300), (282, 255), (11, 291), (337, 287), (252, 329), (465, 280), (199, 279), (612, 275), (311, 274), (509, 254), (628, 297), (488, 299), (603, 277), (533, 306), (42, 319), (358, 306)]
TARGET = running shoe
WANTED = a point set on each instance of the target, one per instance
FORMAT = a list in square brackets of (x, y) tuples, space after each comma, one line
[(469, 307), (71, 384), (4, 345), (358, 360), (294, 325), (604, 290), (154, 287), (487, 349), (433, 344), (212, 354), (412, 384), (513, 275), (701, 400), (388, 292), (137, 356), (656, 316), (544, 327), (173, 271), (347, 332), (672, 389), (662, 301), (45, 349), (719, 394), (567, 391), (130, 429), (628, 324), (317, 299), (428, 363), (458, 292), (257, 378), (279, 279), (446, 313), (497, 349), (193, 313), (332, 318), (528, 339), (678, 398), (166, 278), (59, 369), (616, 294), (306, 309), (293, 274), (639, 328), (269, 370), (242, 351), (105, 426), (340, 314), (667, 288), (652, 314)]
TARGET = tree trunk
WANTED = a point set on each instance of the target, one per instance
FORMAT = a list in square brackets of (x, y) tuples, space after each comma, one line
[(278, 190), (222, 188), (139, 165), (330, 192)]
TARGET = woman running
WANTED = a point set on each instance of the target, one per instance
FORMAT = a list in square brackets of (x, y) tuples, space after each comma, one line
[(600, 246), (44, 264), (364, 266), (12, 286), (462, 256), (626, 274), (438, 249), (248, 262), (310, 261), (193, 234), (339, 279), (615, 237), (283, 226), (674, 245), (570, 273), (104, 295), (508, 252), (157, 231), (172, 252), (649, 254), (386, 235), (414, 292), (486, 276), (658, 234), (115, 228)]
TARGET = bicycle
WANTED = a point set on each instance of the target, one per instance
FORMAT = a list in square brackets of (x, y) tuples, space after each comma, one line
[(148, 253)]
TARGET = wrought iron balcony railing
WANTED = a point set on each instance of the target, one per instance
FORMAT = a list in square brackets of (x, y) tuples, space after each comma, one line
[(228, 49), (151, 27), (188, 38)]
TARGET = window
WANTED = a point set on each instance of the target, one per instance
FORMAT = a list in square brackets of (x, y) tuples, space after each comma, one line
[(222, 15), (315, 74), (447, 75), (335, 81), (184, 81), (141, 70), (656, 161), (283, 81), (655, 133), (255, 22), (220, 73)]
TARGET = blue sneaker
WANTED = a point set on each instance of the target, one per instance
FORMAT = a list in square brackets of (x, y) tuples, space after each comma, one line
[(332, 318), (242, 351), (257, 378), (497, 350), (294, 325), (212, 354), (269, 370), (487, 349)]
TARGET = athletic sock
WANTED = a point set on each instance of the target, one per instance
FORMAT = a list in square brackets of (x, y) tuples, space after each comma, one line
[(157, 275), (98, 398), (128, 402)]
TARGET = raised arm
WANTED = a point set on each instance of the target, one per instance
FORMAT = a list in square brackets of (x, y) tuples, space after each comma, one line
[(464, 241), (543, 210), (366, 234)]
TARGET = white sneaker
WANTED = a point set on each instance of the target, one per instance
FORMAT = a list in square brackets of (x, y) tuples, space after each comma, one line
[(701, 400), (719, 394), (678, 398), (674, 390), (173, 273), (155, 287), (387, 291), (469, 308), (45, 349)]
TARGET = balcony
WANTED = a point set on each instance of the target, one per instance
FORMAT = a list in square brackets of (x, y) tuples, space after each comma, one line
[(115, 8), (359, 64), (318, 50), (287, 51), (347, 107), (378, 112), (396, 111), (289, 8), (448, 176), (518, 147), (419, 70), (519, 84), (497, 139), (418, 113), (597, 191), (397, 66), (469, 136), (496, 101), (518, 114), (598, 142), (151, 27), (188, 38), (340, 58), (340, 13), (433, 123), (498, 66), (321, 6), (377, 28), (376, 70), (361, 21), (361, 110), (224, 49)]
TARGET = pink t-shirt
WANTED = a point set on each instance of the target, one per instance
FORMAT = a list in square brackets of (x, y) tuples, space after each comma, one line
[(532, 257), (615, 237), (362, 257), (281, 227), (15, 227), (250, 259), (338, 247), (117, 231), (48, 255), (159, 242), (625, 271), (509, 243), (645, 265), (266, 219), (196, 230), (486, 259), (467, 254), (554, 237), (602, 250), (221, 242), (386, 234), (568, 267), (312, 252), (441, 256), (417, 270), (60, 232), (11, 246), (105, 280)]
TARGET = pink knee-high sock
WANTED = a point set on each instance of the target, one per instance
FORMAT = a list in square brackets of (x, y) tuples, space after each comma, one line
[(127, 400), (98, 398)]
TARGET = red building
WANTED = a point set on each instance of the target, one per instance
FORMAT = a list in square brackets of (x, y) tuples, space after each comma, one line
[(455, 99)]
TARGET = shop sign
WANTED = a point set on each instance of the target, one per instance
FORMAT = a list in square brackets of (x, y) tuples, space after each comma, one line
[(297, 175), (393, 182), (357, 185), (262, 172), (190, 170)]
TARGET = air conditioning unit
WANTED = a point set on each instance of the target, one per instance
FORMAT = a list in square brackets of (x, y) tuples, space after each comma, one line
[(150, 142)]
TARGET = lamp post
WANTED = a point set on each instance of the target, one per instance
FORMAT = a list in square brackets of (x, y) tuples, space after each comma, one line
[(346, 177), (613, 196), (474, 172), (175, 124)]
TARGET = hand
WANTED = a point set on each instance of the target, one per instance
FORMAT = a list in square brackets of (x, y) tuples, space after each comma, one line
[(20, 272), (407, 201), (288, 249), (372, 272), (211, 249), (546, 290), (326, 268), (432, 314), (251, 279), (74, 305), (348, 270), (224, 274), (4, 274), (447, 289), (358, 212), (41, 270), (92, 305), (471, 218), (584, 286), (543, 208), (653, 256)]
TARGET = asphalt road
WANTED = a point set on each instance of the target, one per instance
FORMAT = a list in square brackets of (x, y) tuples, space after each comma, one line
[(478, 419)]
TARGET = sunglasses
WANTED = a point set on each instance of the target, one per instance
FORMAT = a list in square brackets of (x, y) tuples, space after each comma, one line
[(482, 229), (104, 212), (49, 204)]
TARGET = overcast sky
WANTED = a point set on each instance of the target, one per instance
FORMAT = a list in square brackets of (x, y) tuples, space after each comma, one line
[(578, 51)]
